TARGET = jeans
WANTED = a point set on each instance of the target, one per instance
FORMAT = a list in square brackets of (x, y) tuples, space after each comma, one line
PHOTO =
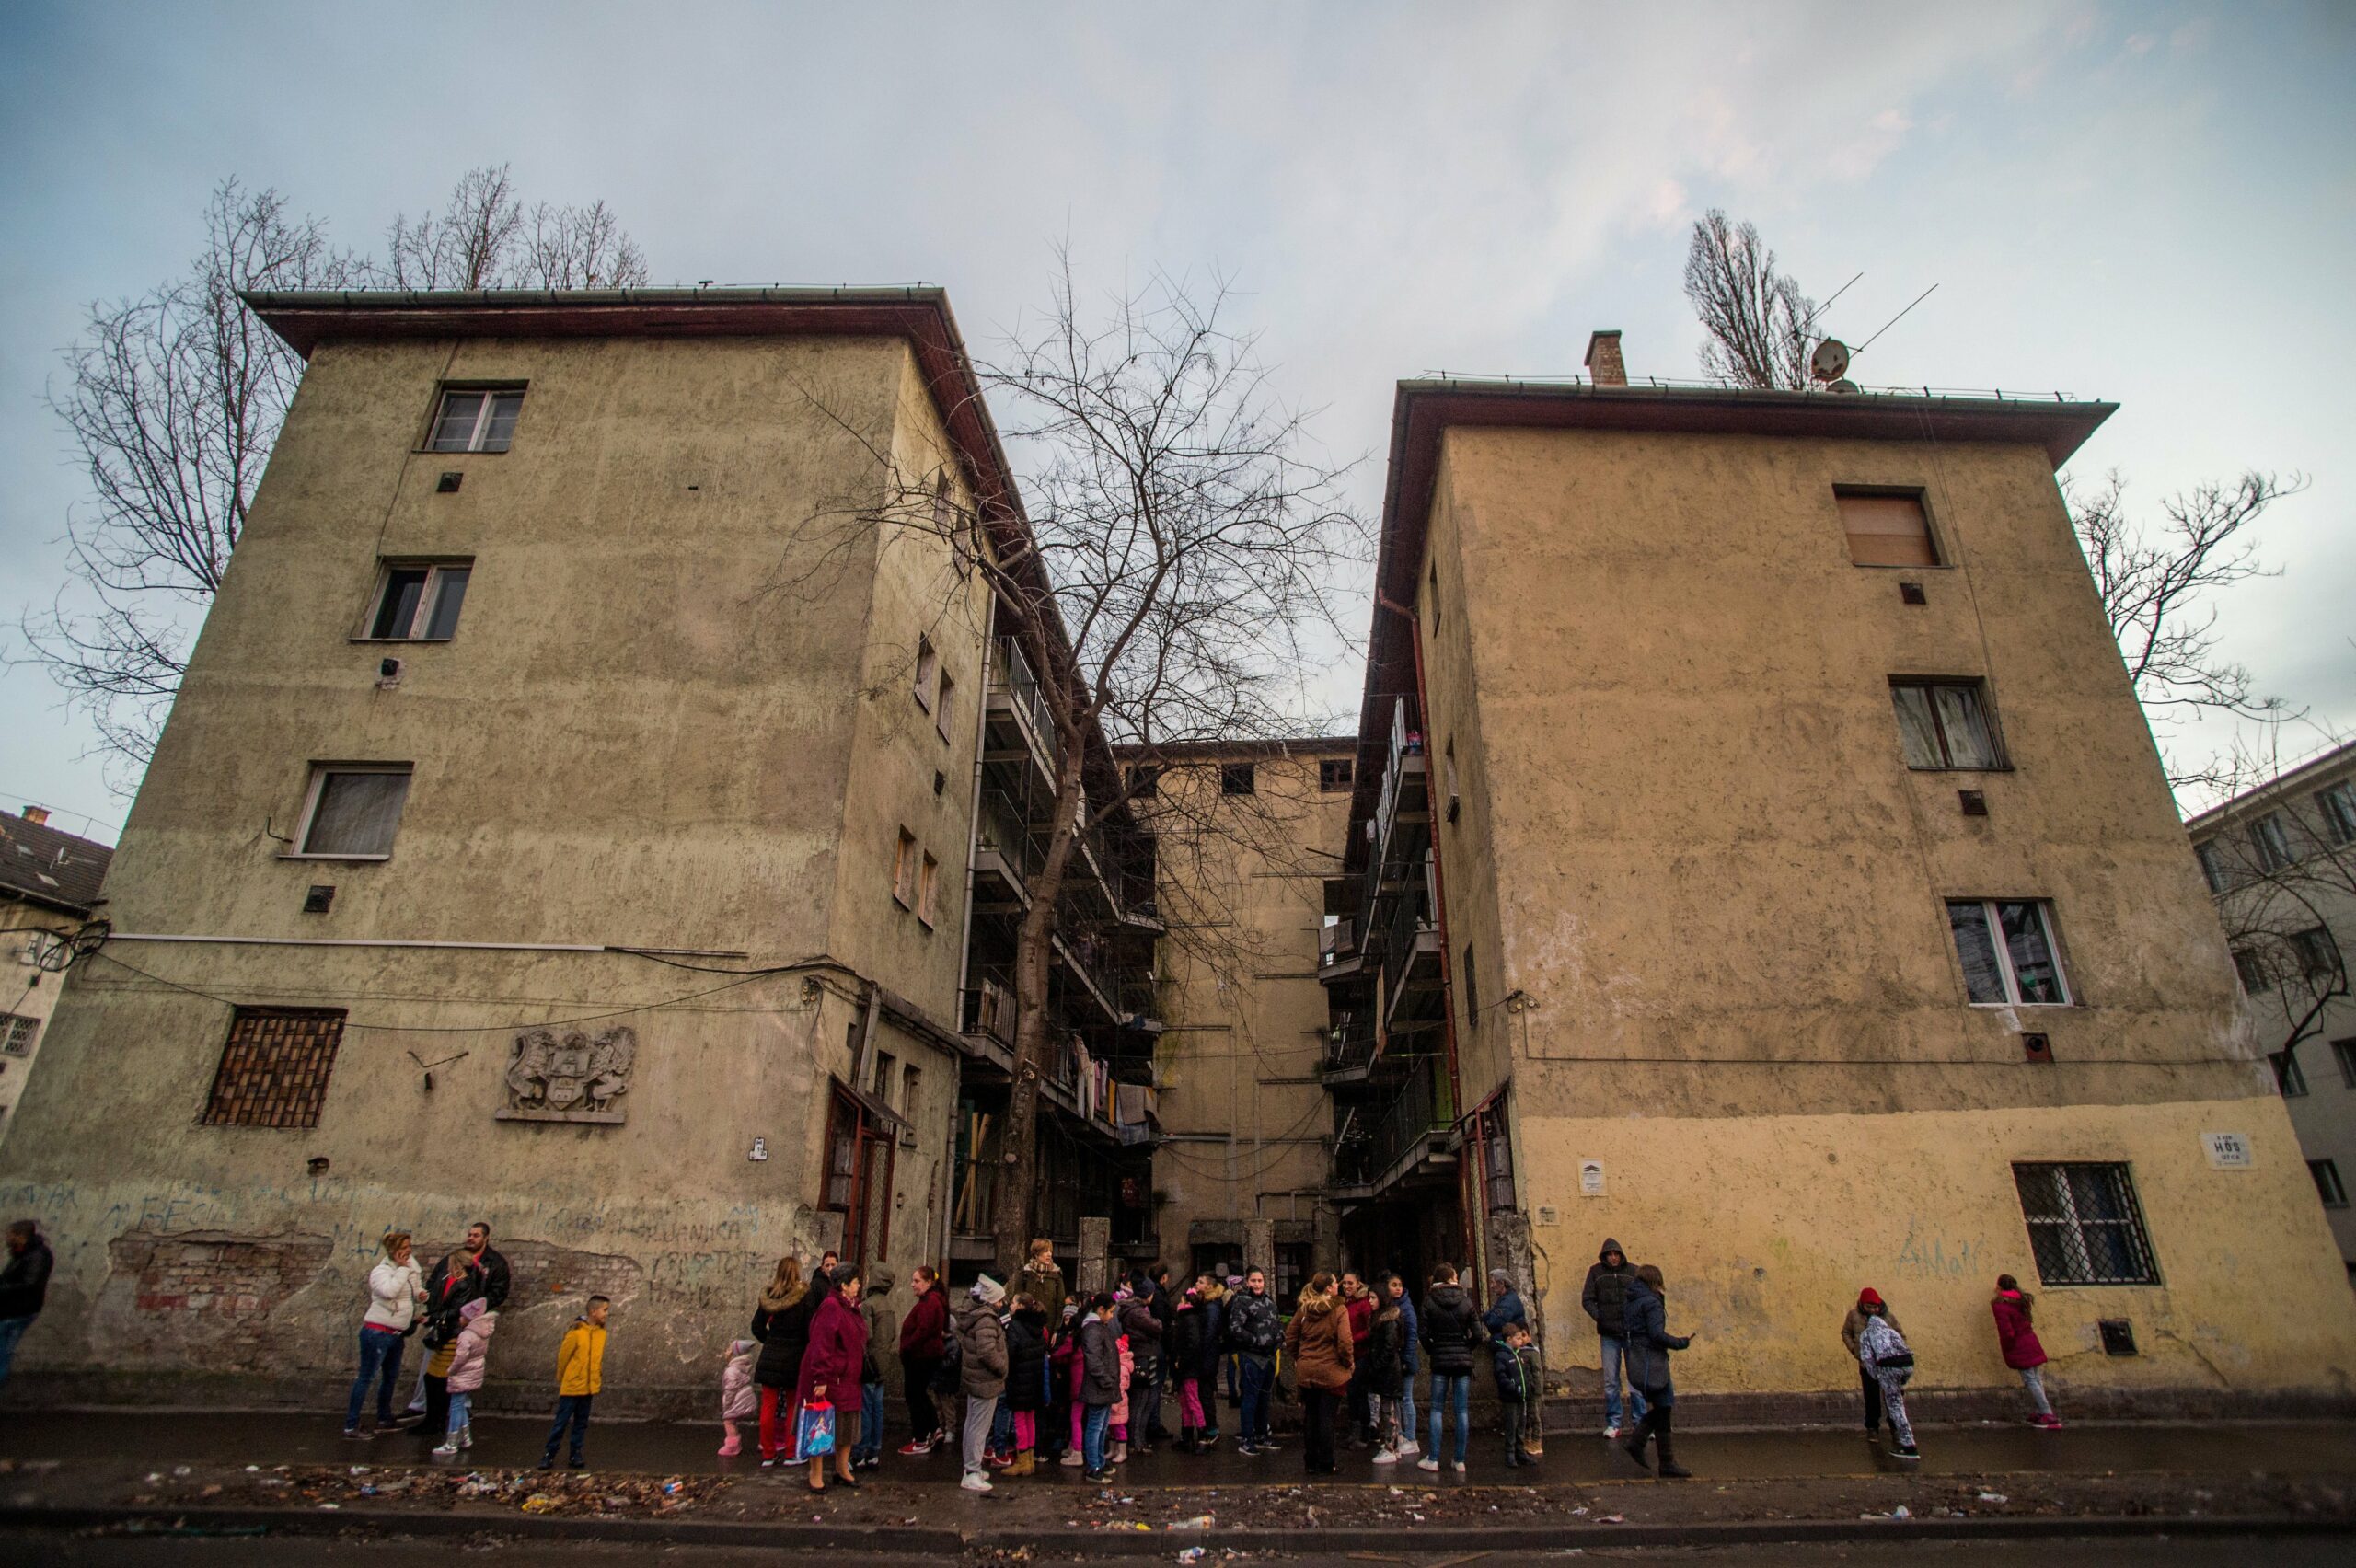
[(979, 1413), (2032, 1378), (1319, 1407), (924, 1417), (1407, 1407), (1094, 1422), (1002, 1428), (1615, 1352), (571, 1409), (11, 1331), (870, 1422), (1451, 1390), (1258, 1373), (462, 1413), (380, 1350)]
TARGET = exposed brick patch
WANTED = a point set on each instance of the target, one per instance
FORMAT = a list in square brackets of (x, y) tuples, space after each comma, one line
[(274, 1068), (204, 1297), (539, 1272)]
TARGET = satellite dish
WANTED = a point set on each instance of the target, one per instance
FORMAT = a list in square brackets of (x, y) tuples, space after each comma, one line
[(1830, 360)]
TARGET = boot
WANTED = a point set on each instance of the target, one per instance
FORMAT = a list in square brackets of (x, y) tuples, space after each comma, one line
[(1669, 1469), (1635, 1447), (1024, 1463), (1186, 1441)]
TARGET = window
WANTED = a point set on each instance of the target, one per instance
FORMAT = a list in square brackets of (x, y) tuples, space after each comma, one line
[(929, 891), (1145, 780), (2256, 981), (17, 1033), (2344, 1053), (1333, 774), (943, 704), (2269, 842), (927, 672), (911, 1084), (420, 602), (2289, 1081), (2023, 967), (2213, 866), (1237, 778), (2083, 1224), (1292, 1270), (1435, 602), (880, 1083), (476, 421), (2328, 1187), (1944, 724), (1471, 994), (1885, 530), (2318, 954), (2337, 805), (353, 809), (274, 1068), (904, 871)]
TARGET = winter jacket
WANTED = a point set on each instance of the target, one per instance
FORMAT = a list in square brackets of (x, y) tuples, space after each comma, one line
[(24, 1280), (1187, 1333), (1607, 1291), (1120, 1416), (1043, 1283), (782, 1325), (883, 1321), (1136, 1321), (2014, 1333), (1317, 1341), (1505, 1311), (1383, 1360), (981, 1342), (1415, 1358), (1026, 1360), (924, 1330), (471, 1354), (1213, 1310), (1529, 1376), (496, 1279), (1361, 1311), (392, 1293), (445, 1295), (739, 1398), (1649, 1342), (581, 1359), (1880, 1345), (1854, 1325), (1071, 1368), (837, 1349), (1100, 1357), (1450, 1328), (1253, 1328)]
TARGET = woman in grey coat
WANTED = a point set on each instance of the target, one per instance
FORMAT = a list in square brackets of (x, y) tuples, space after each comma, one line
[(1649, 1343)]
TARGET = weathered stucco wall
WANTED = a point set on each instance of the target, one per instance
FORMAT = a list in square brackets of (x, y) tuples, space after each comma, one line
[(25, 991)]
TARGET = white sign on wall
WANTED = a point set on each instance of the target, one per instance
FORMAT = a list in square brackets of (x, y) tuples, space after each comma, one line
[(1590, 1178), (2227, 1151)]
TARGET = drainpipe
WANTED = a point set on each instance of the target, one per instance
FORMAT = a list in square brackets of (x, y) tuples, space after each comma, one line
[(965, 930)]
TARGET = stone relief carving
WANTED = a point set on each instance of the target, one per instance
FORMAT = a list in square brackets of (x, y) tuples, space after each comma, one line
[(570, 1078)]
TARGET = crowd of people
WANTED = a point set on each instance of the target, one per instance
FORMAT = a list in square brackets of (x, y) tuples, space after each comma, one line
[(1048, 1377)]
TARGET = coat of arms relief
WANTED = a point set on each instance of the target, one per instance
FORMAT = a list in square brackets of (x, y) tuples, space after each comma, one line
[(570, 1078)]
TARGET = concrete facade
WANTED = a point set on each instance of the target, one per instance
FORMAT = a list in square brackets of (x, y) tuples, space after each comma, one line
[(2279, 858), (50, 882)]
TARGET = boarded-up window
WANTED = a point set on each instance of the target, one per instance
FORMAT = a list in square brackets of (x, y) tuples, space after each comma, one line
[(1887, 530), (274, 1069)]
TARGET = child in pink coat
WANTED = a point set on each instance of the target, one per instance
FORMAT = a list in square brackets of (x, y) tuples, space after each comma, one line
[(739, 1398), (1120, 1418), (2023, 1352), (470, 1353)]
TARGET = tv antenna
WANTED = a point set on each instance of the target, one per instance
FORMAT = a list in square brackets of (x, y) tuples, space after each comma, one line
[(1894, 320)]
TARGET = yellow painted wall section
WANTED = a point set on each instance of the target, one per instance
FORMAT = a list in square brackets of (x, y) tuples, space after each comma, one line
[(1766, 1227)]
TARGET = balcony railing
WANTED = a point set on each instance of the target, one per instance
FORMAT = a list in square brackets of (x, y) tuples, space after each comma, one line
[(1399, 1131), (1012, 683)]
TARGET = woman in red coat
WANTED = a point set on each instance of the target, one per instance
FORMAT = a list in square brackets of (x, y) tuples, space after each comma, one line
[(2022, 1352), (830, 1372)]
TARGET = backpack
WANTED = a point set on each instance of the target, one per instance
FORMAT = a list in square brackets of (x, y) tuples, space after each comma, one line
[(949, 1380)]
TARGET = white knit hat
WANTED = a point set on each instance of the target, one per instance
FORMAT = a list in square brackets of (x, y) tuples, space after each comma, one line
[(990, 1290)]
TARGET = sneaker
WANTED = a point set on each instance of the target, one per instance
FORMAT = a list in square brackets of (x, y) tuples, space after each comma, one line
[(1270, 1445), (583, 1464), (1612, 1433), (1073, 1460), (550, 1462), (916, 1446), (1457, 1466), (466, 1435), (1386, 1455), (1428, 1464), (1102, 1478), (976, 1482), (1410, 1448), (998, 1461), (1249, 1450), (2046, 1423), (445, 1450), (359, 1434), (768, 1460), (1909, 1451)]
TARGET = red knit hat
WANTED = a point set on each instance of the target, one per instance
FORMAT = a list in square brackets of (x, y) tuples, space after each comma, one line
[(1869, 1297)]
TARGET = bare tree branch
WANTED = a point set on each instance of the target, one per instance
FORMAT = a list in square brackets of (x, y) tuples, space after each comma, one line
[(1756, 317)]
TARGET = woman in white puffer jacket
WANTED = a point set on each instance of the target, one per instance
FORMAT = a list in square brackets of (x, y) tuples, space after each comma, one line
[(395, 1289)]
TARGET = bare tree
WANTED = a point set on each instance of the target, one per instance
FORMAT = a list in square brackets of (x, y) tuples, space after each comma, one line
[(1182, 547), (2157, 586), (1755, 315), (175, 399)]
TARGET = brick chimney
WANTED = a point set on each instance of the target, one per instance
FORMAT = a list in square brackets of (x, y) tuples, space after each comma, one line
[(37, 814), (1604, 366)]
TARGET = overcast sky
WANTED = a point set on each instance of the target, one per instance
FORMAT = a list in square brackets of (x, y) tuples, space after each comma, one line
[(2150, 204)]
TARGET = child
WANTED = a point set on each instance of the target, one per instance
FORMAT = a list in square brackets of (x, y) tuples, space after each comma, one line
[(1026, 1381), (468, 1354), (1519, 1382), (1883, 1353), (2023, 1353), (1384, 1375), (739, 1400), (580, 1368), (1186, 1354), (1071, 1374), (1120, 1419)]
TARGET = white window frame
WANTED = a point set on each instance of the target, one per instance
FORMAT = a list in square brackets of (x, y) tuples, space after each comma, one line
[(320, 773), (1989, 910), (490, 395), (1931, 685), (426, 600)]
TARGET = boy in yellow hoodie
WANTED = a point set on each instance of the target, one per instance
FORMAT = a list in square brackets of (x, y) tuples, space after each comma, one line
[(580, 1368)]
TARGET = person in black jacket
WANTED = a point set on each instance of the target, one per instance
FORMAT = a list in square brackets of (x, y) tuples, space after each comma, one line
[(1026, 1379), (1604, 1299), (1100, 1387), (1254, 1333), (24, 1287), (1452, 1331), (1137, 1320), (1649, 1343), (1383, 1374), (782, 1322), (1165, 1312), (1188, 1332), (491, 1261)]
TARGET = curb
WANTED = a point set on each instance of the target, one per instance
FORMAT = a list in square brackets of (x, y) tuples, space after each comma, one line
[(1140, 1543)]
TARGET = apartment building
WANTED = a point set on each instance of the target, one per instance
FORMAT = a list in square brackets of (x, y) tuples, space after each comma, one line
[(2279, 859), (48, 888), (569, 821), (1757, 854)]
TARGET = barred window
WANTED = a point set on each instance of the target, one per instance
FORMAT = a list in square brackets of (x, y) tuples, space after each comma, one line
[(274, 1069), (17, 1031), (2085, 1226)]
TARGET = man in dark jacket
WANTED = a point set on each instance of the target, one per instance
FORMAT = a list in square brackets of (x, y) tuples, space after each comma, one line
[(24, 1288), (1605, 1299), (1451, 1328), (1253, 1333), (1165, 1313), (492, 1263)]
